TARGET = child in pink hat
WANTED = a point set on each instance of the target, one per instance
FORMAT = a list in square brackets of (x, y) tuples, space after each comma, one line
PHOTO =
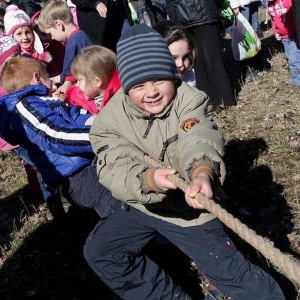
[(18, 25)]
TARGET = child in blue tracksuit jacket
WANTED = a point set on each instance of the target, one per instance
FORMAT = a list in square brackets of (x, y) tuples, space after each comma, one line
[(56, 136)]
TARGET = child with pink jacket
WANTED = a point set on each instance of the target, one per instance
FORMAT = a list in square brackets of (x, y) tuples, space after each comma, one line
[(284, 29)]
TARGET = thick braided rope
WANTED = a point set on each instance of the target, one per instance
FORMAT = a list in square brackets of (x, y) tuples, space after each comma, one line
[(288, 266)]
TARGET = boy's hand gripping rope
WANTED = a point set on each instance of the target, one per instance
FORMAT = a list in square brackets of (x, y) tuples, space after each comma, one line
[(290, 267)]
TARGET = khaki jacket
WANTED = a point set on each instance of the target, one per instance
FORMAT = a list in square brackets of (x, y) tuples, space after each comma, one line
[(182, 135)]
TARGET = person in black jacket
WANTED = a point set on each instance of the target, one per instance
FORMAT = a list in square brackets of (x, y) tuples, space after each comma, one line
[(296, 7), (118, 20), (201, 18), (90, 21), (103, 20)]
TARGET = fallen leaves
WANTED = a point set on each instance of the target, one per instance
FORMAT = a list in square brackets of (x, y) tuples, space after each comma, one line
[(280, 126)]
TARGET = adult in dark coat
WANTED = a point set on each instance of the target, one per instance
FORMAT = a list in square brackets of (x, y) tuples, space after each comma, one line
[(201, 18), (118, 19), (89, 20), (296, 7), (103, 20)]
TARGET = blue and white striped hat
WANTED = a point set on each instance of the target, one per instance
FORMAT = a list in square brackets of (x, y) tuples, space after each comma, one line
[(143, 55)]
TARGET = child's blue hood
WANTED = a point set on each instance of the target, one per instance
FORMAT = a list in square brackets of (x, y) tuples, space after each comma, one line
[(12, 99)]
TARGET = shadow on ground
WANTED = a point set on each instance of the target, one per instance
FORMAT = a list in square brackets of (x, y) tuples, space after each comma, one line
[(14, 211), (254, 195), (50, 265), (258, 201)]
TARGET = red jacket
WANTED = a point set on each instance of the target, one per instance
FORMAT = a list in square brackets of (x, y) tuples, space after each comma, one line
[(75, 96), (281, 12)]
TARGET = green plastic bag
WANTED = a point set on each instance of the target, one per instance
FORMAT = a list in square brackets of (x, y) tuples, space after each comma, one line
[(245, 43)]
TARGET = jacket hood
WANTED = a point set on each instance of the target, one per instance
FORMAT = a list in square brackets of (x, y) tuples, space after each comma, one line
[(12, 99)]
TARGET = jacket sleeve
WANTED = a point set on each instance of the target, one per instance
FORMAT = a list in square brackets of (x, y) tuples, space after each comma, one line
[(71, 52), (120, 165), (50, 130), (199, 141), (287, 4)]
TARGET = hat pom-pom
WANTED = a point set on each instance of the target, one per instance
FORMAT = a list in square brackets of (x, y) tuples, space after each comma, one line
[(11, 7)]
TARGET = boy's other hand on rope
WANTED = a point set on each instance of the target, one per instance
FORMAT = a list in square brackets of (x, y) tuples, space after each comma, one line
[(201, 184), (161, 178)]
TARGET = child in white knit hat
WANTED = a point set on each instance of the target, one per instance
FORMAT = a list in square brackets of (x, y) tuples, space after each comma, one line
[(18, 25)]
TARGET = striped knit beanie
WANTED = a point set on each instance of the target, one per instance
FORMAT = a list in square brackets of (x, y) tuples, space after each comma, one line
[(143, 55)]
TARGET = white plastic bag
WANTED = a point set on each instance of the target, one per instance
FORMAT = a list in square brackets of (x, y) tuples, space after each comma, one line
[(245, 43)]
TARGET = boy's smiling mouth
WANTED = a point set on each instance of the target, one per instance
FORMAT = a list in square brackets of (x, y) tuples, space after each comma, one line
[(155, 101)]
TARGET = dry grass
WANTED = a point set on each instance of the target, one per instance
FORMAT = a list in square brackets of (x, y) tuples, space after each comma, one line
[(41, 261)]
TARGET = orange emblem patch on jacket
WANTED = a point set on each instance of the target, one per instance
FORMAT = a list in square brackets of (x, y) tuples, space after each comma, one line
[(189, 124)]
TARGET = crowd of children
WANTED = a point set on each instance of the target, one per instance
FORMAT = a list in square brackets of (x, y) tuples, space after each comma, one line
[(65, 101)]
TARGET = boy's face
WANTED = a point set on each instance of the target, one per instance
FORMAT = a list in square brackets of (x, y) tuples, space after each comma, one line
[(24, 36), (57, 32), (152, 96), (45, 80)]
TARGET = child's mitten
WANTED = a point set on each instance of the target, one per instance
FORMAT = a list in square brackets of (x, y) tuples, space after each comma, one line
[(45, 57)]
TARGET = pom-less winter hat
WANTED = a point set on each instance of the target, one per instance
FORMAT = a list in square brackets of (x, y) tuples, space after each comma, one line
[(8, 46), (143, 55)]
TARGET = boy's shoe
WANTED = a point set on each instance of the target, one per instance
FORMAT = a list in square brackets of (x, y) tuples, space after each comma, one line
[(214, 293), (56, 208)]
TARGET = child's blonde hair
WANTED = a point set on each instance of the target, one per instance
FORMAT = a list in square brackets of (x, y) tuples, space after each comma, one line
[(95, 62), (17, 72), (54, 10)]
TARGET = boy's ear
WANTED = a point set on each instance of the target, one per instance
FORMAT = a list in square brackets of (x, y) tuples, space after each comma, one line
[(59, 24), (35, 79)]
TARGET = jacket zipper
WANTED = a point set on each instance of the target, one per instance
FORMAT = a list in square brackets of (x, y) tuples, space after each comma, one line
[(150, 123), (165, 146)]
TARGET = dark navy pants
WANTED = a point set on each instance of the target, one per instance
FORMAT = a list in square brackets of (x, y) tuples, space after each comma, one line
[(113, 251), (86, 191)]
